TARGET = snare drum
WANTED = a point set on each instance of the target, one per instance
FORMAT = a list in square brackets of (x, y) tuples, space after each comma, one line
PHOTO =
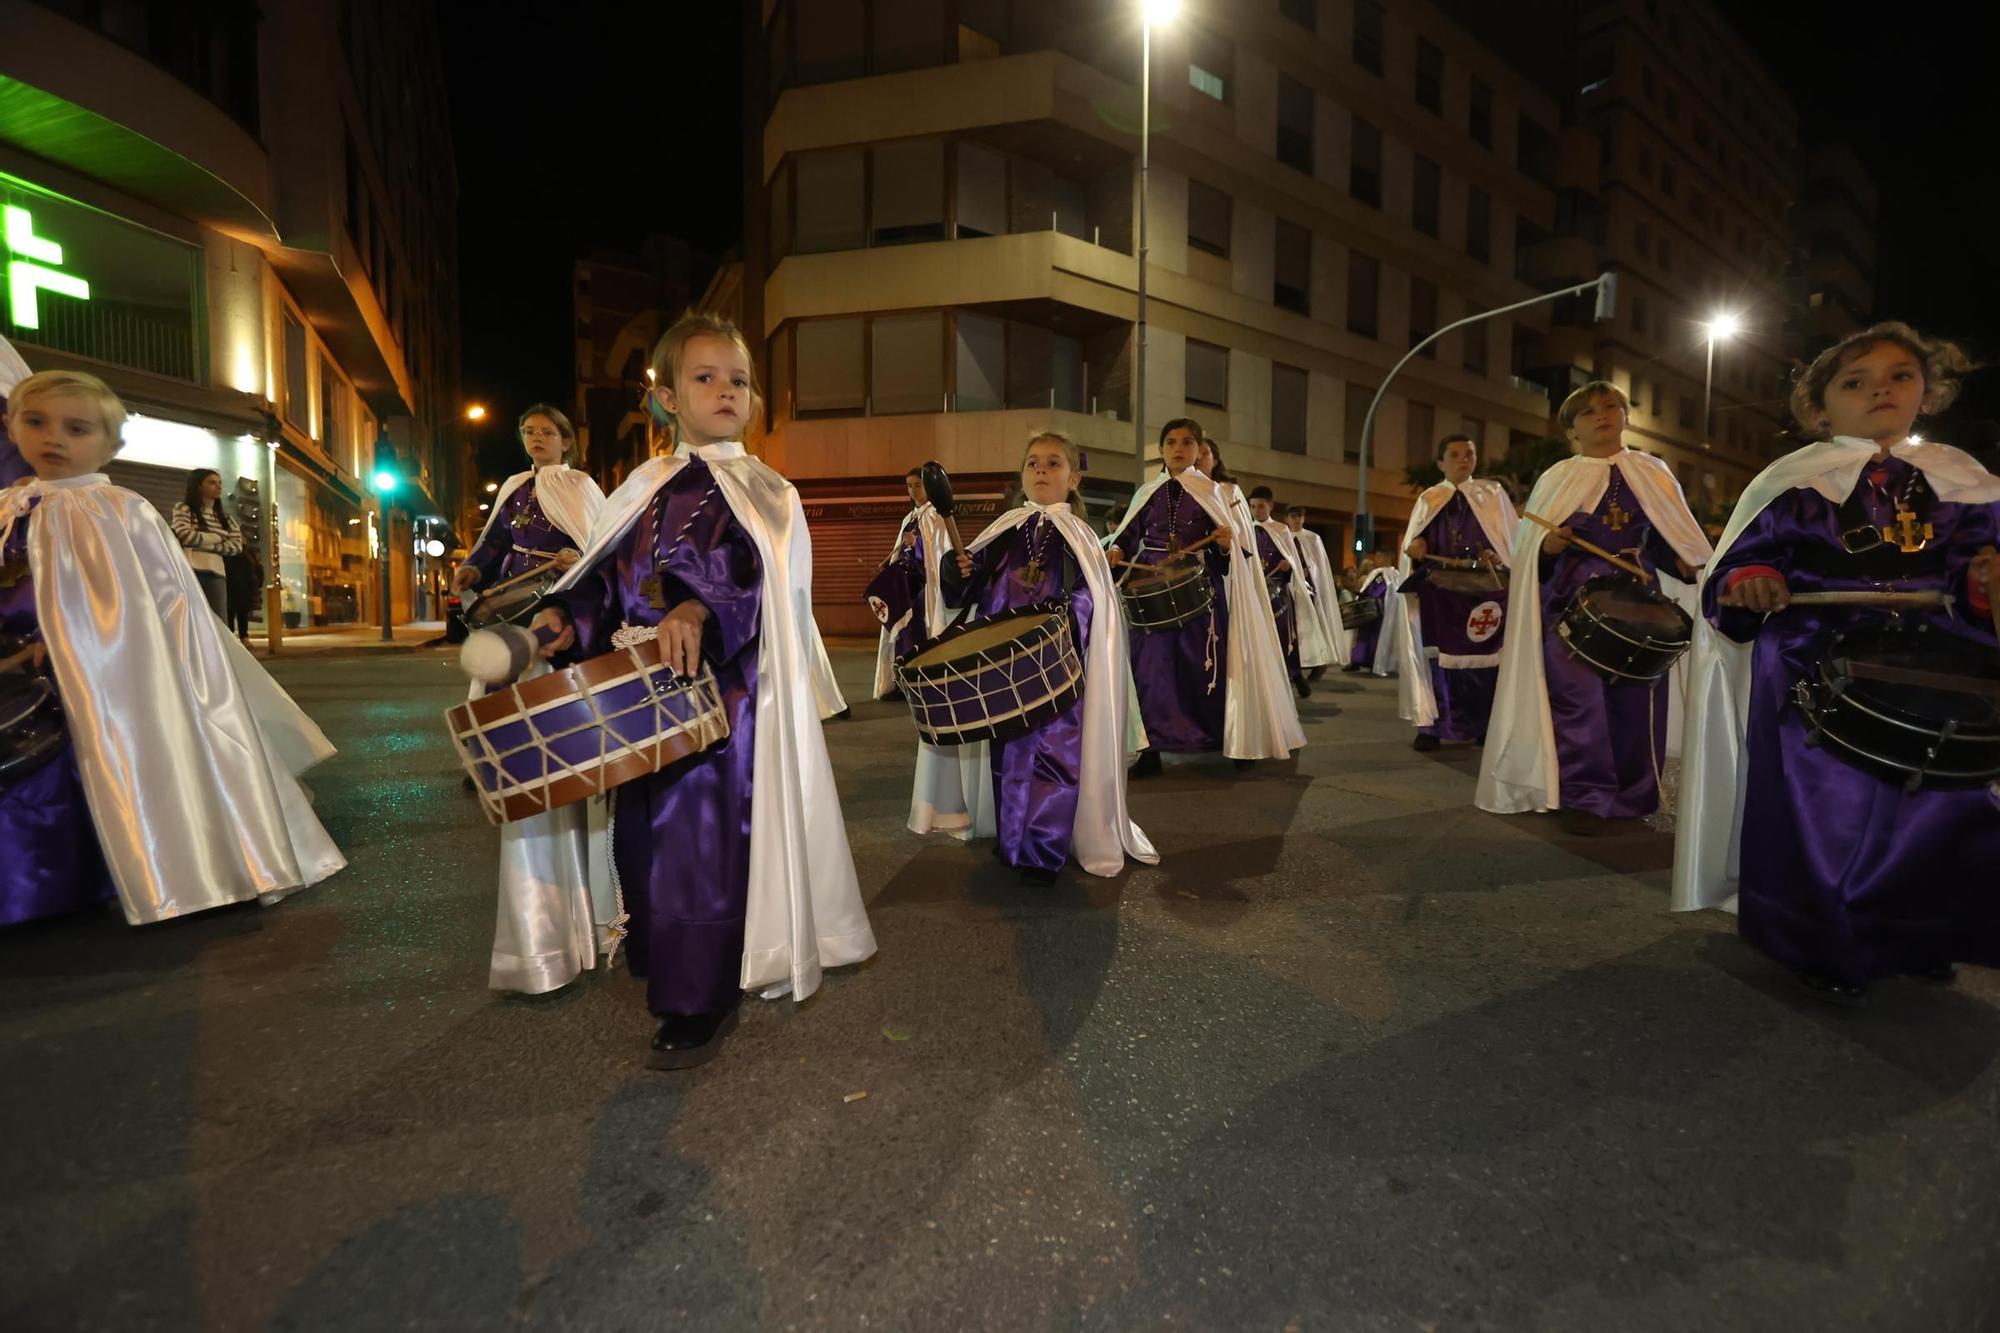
[(31, 720), (1166, 597), (1623, 630), (511, 601), (1489, 582), (1359, 612), (1913, 705), (581, 730), (997, 679)]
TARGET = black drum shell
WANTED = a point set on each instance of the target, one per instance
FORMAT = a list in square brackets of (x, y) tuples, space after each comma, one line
[(1623, 652), (1910, 735)]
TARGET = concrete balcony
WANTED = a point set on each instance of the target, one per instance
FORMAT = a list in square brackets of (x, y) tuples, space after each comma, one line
[(73, 97)]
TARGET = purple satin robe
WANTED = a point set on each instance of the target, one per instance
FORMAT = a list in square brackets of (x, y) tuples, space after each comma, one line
[(1464, 694), (1611, 739), (1286, 613), (681, 837), (1035, 777), (518, 539), (917, 628), (1180, 674), (50, 861), (1361, 643), (1842, 872)]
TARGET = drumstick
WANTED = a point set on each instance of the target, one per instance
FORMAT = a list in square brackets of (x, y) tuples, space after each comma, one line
[(1189, 549), (1865, 597), (521, 577), (1595, 550)]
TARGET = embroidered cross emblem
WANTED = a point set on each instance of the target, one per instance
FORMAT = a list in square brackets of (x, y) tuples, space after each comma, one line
[(1484, 621), (1905, 531), (1030, 574), (1616, 518)]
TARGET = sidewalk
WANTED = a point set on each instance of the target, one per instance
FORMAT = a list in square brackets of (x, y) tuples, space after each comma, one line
[(351, 639)]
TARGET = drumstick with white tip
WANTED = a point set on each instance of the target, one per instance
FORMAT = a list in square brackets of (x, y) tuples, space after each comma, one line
[(1172, 556), (498, 656), (1593, 548)]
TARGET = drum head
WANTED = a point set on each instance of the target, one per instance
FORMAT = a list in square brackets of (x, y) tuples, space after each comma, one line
[(1637, 609), (982, 637), (1932, 671)]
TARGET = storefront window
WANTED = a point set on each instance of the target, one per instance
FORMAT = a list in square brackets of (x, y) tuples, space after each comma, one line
[(323, 561)]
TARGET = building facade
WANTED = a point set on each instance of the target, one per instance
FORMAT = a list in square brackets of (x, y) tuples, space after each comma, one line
[(247, 225), (622, 305), (1833, 248), (940, 237)]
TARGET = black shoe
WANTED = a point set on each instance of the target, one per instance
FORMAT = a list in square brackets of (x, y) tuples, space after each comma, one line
[(1826, 986), (1244, 765), (1303, 690), (1316, 673), (1351, 668), (687, 1040), (1037, 876), (1583, 824), (1425, 742), (842, 715), (1936, 974), (1149, 765), (892, 697)]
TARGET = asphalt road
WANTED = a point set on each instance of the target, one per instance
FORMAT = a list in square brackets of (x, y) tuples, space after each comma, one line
[(1353, 1057)]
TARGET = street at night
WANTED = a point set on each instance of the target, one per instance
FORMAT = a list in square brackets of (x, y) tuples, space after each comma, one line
[(1353, 1056)]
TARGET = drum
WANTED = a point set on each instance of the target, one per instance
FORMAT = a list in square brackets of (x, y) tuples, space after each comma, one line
[(1485, 582), (1166, 597), (890, 594), (1359, 612), (581, 730), (510, 601), (1916, 706), (993, 680), (31, 720), (1623, 630)]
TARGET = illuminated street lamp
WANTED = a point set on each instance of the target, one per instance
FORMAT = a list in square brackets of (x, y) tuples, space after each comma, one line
[(1152, 13), (491, 487), (1720, 328), (477, 412)]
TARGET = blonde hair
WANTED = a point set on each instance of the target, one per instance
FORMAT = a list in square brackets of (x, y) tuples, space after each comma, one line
[(1586, 397), (666, 362), (1944, 365), (81, 384)]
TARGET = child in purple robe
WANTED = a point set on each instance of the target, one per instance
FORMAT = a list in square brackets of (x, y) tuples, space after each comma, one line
[(684, 552), (541, 515), (1278, 576), (1842, 873), (1049, 556)]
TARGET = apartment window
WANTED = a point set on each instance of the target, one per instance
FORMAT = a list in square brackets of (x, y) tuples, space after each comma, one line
[(1474, 359), (1430, 76), (1666, 254), (1659, 399), (982, 191), (1291, 285), (781, 213), (1209, 64), (1208, 219), (1364, 174), (1420, 424), (1424, 197), (1534, 152), (1479, 222), (1638, 394), (1364, 303), (1673, 107), (980, 363), (1684, 410), (1207, 374), (1648, 84), (1368, 35), (1305, 13), (1645, 163), (1638, 314), (1642, 238), (831, 355), (907, 365), (1288, 409), (298, 403), (1479, 119), (908, 190), (906, 34), (1295, 124), (831, 42), (1667, 179), (1423, 314), (1354, 417), (831, 201), (331, 399)]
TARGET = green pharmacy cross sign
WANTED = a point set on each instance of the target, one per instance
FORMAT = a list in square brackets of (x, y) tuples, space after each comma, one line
[(34, 265)]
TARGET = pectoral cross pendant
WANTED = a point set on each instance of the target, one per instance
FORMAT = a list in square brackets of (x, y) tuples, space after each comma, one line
[(1616, 518), (1030, 574), (522, 519), (651, 590), (1905, 530)]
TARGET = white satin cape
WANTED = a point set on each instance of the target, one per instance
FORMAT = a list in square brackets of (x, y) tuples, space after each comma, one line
[(952, 789), (804, 912), (1314, 649), (1518, 769), (1708, 824), (1260, 719), (1389, 629), (1493, 508), (188, 749), (570, 498), (1326, 594), (1103, 834)]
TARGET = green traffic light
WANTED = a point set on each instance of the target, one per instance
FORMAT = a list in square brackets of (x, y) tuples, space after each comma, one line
[(385, 482)]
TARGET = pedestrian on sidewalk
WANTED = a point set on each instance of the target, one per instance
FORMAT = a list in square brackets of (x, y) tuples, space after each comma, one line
[(209, 536)]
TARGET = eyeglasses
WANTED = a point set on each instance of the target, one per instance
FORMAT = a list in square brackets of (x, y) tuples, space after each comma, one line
[(540, 433)]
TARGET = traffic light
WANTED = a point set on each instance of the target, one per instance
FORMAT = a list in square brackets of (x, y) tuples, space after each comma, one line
[(385, 481)]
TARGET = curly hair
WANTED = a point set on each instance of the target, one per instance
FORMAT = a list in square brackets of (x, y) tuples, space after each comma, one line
[(1945, 364)]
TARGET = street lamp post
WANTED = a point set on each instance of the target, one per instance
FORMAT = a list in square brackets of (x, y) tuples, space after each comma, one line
[(1719, 329), (1151, 12)]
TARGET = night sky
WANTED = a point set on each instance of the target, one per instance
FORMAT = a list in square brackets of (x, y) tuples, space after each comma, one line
[(588, 124)]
